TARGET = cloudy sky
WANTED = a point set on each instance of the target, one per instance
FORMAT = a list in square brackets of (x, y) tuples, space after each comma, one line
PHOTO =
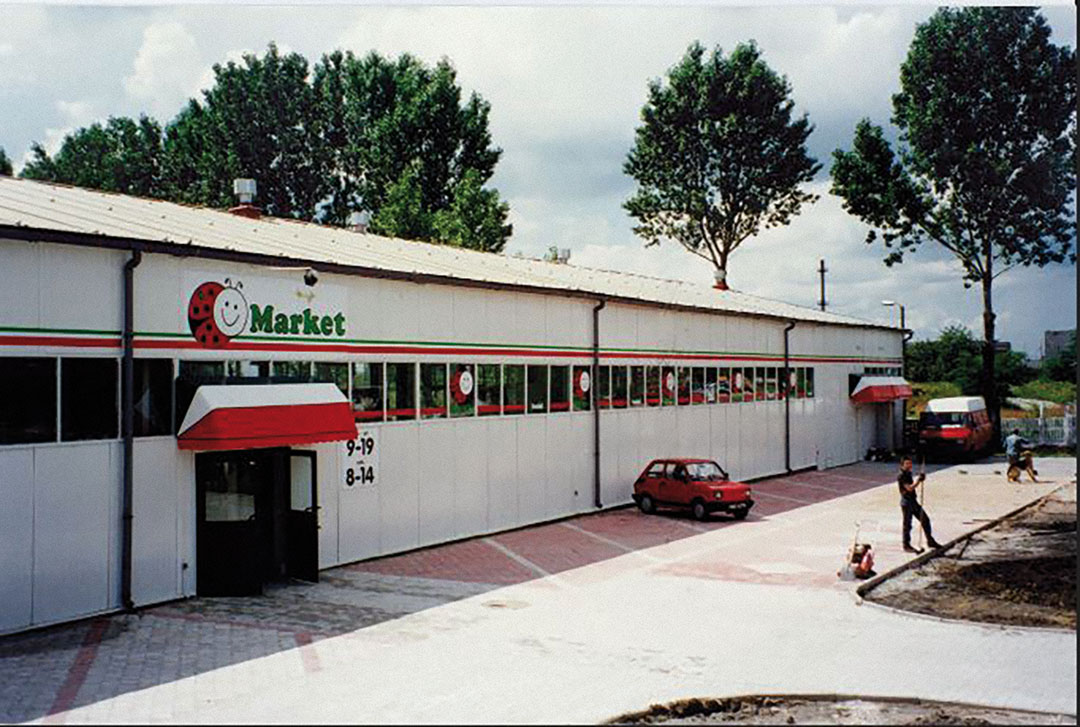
[(566, 85)]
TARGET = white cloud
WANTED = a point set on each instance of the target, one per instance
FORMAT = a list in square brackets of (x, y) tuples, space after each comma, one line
[(166, 68), (73, 114), (566, 85)]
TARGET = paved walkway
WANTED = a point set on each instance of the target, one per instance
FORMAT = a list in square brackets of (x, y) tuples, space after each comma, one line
[(571, 621)]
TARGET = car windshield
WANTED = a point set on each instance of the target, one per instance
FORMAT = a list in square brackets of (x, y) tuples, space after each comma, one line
[(940, 418), (705, 471)]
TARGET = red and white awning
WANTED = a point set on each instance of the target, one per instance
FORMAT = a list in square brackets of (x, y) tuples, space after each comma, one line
[(878, 389), (271, 415)]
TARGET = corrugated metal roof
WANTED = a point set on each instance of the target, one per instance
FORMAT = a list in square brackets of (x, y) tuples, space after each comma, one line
[(38, 205)]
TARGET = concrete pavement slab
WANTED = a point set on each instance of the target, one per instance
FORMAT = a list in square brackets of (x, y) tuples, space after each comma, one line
[(750, 608)]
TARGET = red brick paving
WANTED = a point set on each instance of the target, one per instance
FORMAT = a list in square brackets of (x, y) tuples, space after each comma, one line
[(472, 561), (632, 529), (553, 547)]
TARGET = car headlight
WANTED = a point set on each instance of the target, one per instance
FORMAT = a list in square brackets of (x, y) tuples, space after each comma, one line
[(719, 495), (748, 492)]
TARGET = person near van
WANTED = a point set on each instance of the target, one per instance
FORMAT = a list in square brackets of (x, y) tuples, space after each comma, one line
[(1014, 445), (910, 507)]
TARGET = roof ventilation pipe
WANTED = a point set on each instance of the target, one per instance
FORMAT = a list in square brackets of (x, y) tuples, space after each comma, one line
[(358, 221), (720, 275), (245, 190)]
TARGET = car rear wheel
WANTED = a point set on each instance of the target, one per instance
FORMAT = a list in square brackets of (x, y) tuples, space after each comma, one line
[(698, 508), (647, 505)]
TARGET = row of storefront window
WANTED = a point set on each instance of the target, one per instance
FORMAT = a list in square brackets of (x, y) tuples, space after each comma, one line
[(71, 399)]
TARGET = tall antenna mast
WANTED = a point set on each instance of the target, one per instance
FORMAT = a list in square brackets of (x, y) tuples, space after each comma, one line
[(821, 271)]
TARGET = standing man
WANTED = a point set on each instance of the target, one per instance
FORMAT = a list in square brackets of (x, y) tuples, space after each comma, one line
[(910, 507)]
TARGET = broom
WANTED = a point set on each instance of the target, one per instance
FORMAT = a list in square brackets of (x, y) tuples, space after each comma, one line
[(922, 497)]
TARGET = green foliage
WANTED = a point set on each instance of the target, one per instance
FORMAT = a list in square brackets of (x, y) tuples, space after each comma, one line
[(987, 118), (6, 169), (260, 120), (402, 213), (718, 157), (475, 219), (924, 391), (1061, 392), (1063, 366), (389, 137), (122, 156), (986, 164), (955, 357)]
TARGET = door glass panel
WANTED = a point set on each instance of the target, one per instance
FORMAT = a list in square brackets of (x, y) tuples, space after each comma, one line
[(300, 479), (230, 490)]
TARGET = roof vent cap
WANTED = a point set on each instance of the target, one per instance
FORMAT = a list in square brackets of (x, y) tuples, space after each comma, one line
[(244, 189)]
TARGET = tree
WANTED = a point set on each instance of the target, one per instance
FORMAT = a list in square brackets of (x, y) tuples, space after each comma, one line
[(986, 164), (718, 157), (1061, 367), (391, 138), (6, 169), (124, 156), (260, 120), (398, 129), (475, 218), (956, 356)]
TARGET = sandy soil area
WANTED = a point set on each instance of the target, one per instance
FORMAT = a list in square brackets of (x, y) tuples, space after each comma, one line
[(1020, 572), (828, 710)]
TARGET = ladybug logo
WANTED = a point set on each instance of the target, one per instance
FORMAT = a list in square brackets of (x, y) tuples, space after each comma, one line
[(582, 384), (217, 313), (461, 386), (669, 383)]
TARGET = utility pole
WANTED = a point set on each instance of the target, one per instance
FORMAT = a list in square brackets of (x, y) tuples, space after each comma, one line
[(822, 270)]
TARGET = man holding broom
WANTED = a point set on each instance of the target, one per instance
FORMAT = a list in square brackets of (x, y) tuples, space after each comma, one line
[(910, 507)]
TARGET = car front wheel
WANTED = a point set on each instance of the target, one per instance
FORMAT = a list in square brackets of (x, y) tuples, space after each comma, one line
[(647, 505), (698, 508), (741, 514)]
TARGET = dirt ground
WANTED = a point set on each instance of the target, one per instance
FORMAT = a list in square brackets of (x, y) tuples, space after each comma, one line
[(829, 710), (1020, 572)]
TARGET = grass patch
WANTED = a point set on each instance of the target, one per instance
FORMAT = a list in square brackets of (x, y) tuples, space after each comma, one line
[(1061, 392)]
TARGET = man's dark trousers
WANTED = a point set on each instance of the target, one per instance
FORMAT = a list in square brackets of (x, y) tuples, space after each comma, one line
[(912, 509)]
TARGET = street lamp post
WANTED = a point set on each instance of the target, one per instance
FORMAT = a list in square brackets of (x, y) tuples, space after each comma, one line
[(903, 356)]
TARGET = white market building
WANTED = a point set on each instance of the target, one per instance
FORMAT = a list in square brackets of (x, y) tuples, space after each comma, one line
[(490, 392)]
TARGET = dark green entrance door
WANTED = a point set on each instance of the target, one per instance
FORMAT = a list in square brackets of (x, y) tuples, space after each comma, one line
[(256, 520), (234, 533)]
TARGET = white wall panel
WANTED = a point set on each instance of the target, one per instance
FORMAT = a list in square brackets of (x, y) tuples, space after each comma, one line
[(470, 316), (502, 477), (20, 290), (17, 536), (81, 287), (330, 460), (185, 498), (559, 481), (399, 490), (159, 278), (436, 488), (72, 530), (155, 561), (531, 468), (469, 476)]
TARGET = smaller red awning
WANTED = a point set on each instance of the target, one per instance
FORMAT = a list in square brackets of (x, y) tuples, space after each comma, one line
[(878, 389), (271, 415)]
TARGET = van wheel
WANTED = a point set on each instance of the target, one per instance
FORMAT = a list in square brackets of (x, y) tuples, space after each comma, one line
[(698, 508), (647, 505)]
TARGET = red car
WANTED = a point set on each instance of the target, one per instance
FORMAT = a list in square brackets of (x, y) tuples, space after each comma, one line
[(699, 484)]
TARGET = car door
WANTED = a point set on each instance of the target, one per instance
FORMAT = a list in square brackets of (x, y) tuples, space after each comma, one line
[(652, 482), (678, 485)]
